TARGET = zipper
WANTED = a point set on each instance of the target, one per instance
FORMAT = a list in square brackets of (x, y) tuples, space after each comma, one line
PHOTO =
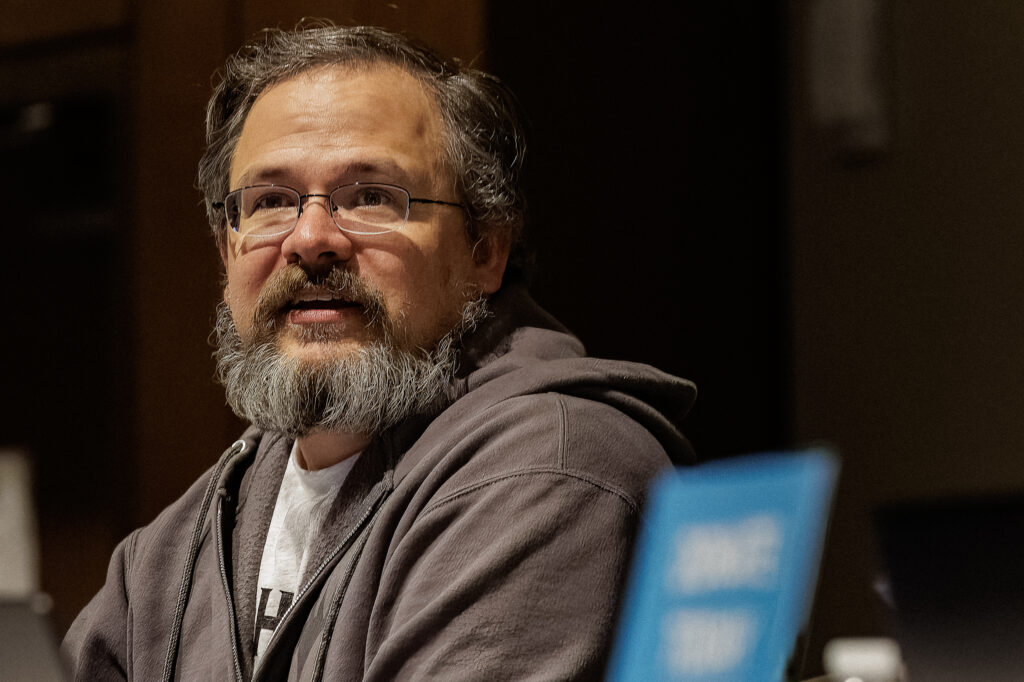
[(335, 608), (316, 574)]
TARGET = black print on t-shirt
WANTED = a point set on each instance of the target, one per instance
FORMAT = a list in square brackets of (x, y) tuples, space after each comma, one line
[(265, 622)]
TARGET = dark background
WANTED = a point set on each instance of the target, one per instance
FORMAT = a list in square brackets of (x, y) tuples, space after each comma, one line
[(656, 178), (688, 209)]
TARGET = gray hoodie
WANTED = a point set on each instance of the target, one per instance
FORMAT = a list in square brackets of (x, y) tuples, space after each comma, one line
[(486, 541)]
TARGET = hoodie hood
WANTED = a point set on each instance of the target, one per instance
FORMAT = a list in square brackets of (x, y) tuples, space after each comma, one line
[(523, 350)]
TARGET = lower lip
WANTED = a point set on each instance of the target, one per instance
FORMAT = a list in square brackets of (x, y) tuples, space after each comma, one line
[(321, 315)]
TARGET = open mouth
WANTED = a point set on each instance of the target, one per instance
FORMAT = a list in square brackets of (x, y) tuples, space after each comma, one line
[(337, 298), (320, 306), (320, 300)]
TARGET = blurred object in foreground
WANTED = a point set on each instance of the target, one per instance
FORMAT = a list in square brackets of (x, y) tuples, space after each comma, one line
[(28, 647), (19, 543), (725, 567), (869, 659)]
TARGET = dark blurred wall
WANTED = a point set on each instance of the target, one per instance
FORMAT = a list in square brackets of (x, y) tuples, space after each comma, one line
[(65, 288), (655, 173), (907, 280)]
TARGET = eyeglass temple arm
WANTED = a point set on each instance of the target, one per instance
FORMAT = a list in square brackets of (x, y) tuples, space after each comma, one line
[(413, 200)]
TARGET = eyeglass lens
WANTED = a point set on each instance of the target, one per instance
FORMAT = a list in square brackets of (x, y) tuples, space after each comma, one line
[(268, 210)]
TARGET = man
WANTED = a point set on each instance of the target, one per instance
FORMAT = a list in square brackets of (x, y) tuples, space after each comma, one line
[(437, 484)]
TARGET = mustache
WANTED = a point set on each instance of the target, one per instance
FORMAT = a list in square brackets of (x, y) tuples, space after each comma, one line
[(287, 283)]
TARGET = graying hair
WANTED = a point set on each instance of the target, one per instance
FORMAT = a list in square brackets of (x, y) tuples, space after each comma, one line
[(484, 143), (378, 386)]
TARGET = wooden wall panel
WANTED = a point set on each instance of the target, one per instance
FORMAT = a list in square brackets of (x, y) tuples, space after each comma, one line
[(28, 21), (66, 369), (454, 27), (182, 423)]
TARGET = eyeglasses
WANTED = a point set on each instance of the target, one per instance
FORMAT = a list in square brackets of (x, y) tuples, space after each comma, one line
[(359, 208)]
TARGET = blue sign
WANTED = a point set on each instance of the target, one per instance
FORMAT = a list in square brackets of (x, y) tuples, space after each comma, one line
[(724, 569)]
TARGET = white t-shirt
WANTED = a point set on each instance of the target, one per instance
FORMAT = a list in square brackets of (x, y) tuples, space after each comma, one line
[(304, 499)]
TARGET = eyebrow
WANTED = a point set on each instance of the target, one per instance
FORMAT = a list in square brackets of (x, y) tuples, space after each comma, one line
[(351, 172)]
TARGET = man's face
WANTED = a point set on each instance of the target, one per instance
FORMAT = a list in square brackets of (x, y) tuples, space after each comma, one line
[(334, 126)]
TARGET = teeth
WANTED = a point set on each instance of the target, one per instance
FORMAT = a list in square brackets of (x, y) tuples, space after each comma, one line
[(310, 295)]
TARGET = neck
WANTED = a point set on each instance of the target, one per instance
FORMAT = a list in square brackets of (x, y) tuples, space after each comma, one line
[(322, 449)]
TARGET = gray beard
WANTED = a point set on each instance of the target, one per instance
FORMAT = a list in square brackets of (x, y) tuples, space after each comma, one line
[(368, 391)]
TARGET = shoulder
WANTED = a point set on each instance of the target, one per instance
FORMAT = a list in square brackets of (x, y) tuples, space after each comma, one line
[(606, 444), (548, 439)]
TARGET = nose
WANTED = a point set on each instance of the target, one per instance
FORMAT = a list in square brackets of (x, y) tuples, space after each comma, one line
[(316, 239)]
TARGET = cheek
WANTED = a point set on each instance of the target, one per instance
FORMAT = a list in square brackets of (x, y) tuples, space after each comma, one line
[(403, 278), (245, 280), (419, 286), (441, 291)]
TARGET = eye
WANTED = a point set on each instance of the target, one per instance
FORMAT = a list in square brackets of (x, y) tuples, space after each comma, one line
[(269, 200), (372, 197), (374, 207)]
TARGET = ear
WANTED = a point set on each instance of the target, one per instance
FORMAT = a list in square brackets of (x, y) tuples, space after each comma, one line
[(490, 256)]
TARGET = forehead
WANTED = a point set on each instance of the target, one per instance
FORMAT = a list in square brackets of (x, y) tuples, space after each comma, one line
[(336, 120)]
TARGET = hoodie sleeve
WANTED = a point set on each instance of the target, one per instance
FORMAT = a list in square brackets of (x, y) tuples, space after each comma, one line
[(96, 644)]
